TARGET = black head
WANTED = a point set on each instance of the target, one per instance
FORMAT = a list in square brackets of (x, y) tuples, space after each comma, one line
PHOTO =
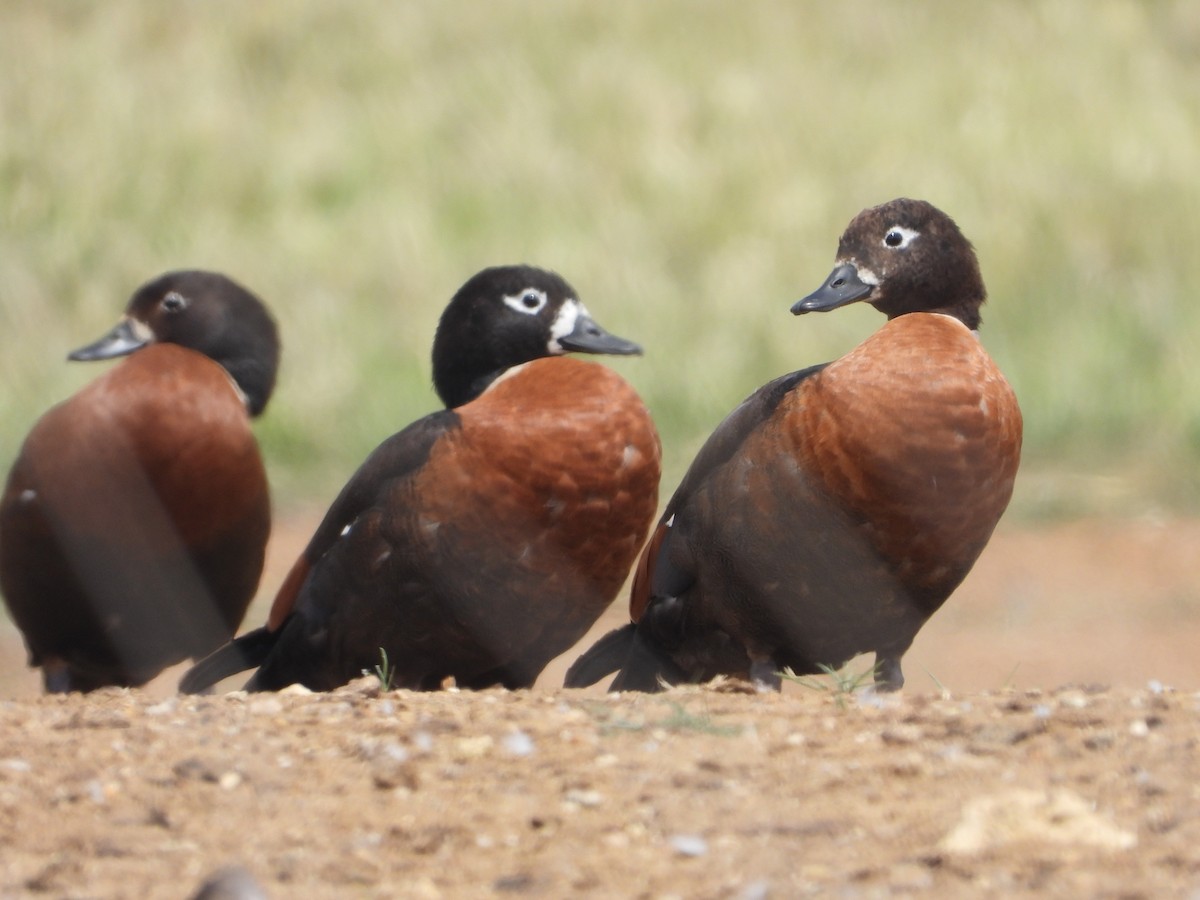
[(904, 256), (205, 312), (505, 316)]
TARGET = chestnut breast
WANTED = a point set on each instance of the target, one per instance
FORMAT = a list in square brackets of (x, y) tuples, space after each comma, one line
[(164, 432), (554, 471), (916, 434)]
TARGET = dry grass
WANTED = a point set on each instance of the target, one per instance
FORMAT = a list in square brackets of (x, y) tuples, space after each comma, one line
[(688, 166)]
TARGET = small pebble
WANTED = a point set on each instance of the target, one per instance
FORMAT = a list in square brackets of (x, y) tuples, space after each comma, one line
[(584, 798), (233, 883), (903, 733), (1073, 699), (268, 706), (518, 743), (473, 747), (394, 751), (692, 845)]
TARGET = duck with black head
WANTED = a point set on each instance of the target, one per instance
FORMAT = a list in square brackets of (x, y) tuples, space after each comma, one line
[(483, 540), (837, 508), (135, 519)]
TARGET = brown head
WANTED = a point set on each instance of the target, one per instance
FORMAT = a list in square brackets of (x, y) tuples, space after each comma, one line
[(206, 312), (901, 257)]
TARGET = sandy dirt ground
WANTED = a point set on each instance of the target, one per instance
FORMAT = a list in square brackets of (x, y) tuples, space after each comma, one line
[(1046, 742)]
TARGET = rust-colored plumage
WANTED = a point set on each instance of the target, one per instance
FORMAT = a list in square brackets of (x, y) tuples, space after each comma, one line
[(917, 432), (837, 508), (481, 541), (134, 521)]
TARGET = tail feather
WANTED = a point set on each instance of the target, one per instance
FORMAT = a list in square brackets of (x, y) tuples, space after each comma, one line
[(641, 662), (647, 666), (603, 658), (246, 652)]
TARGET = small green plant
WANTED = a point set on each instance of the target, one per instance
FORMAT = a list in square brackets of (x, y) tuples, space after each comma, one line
[(683, 719), (942, 689), (384, 671), (841, 683)]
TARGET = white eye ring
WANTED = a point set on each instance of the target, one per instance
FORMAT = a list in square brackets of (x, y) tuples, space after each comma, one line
[(898, 237), (529, 302), (174, 302)]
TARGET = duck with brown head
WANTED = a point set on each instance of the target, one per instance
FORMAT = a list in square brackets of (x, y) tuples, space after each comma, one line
[(838, 507), (135, 519)]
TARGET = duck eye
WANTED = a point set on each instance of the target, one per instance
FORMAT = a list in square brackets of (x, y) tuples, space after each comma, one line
[(898, 237), (174, 302), (529, 301)]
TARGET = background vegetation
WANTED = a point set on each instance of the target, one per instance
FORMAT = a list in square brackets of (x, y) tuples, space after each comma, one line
[(687, 166)]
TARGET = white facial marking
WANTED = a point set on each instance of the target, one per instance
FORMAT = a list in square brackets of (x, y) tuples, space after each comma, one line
[(564, 323), (865, 275), (898, 237), (140, 329), (530, 301)]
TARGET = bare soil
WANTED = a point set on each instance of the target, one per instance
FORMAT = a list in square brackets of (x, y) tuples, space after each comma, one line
[(1046, 742)]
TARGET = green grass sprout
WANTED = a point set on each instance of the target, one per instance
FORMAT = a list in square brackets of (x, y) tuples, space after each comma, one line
[(840, 683), (384, 671)]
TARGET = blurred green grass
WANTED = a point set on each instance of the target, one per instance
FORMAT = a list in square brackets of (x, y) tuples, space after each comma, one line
[(687, 166)]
